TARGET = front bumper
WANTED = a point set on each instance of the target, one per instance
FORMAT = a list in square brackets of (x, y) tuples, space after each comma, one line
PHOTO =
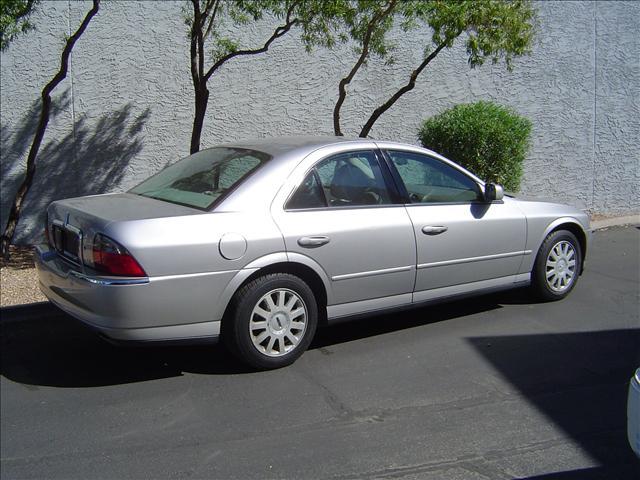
[(132, 309)]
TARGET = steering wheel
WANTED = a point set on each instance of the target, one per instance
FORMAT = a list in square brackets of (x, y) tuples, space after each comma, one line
[(371, 197)]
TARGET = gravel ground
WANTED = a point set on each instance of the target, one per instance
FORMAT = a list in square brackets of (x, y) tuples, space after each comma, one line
[(19, 286), (18, 279)]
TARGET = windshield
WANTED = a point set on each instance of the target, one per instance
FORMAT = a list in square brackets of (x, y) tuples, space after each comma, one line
[(200, 179)]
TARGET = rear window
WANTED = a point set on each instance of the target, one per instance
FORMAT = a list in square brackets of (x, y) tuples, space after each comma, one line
[(202, 178)]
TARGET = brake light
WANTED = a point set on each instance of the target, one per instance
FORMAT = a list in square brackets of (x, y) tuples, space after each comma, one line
[(112, 258)]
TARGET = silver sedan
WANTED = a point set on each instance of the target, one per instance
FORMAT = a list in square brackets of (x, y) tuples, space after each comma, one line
[(259, 242)]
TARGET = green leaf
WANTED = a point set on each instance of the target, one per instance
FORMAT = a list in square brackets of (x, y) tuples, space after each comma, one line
[(486, 138), (14, 19)]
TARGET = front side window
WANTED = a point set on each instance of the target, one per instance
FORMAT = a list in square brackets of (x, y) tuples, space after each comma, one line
[(343, 180), (429, 180), (200, 179)]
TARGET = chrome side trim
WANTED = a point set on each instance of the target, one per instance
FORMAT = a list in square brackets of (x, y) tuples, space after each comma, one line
[(349, 276), (108, 280), (190, 275), (346, 309), (473, 259)]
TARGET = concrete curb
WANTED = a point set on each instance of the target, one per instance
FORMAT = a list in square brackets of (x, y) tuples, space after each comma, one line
[(615, 222)]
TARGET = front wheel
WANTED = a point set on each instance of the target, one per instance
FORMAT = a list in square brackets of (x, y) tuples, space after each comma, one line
[(557, 266), (272, 322)]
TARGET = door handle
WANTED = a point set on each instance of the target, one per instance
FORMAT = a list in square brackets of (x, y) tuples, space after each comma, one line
[(313, 241), (434, 230)]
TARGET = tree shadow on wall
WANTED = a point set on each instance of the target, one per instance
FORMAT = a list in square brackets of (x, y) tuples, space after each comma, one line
[(92, 158)]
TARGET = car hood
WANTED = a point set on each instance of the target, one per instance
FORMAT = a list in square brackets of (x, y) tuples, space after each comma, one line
[(574, 204)]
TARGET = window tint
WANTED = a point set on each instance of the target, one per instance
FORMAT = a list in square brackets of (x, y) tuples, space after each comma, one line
[(198, 180), (429, 180), (348, 179), (308, 195), (353, 179)]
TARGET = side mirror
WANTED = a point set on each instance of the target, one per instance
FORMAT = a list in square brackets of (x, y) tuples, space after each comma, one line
[(493, 192)]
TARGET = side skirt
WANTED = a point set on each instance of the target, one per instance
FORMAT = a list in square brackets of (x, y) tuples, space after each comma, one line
[(355, 310)]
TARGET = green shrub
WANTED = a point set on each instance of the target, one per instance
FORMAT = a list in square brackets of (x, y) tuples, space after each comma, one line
[(488, 139)]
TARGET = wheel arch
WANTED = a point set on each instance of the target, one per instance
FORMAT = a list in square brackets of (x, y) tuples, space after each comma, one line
[(573, 226), (312, 275)]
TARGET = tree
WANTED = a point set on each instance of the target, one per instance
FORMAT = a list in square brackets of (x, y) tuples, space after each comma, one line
[(493, 30), (43, 121), (367, 26), (14, 19), (318, 19)]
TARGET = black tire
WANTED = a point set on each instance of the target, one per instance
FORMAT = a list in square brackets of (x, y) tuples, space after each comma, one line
[(542, 288), (237, 323)]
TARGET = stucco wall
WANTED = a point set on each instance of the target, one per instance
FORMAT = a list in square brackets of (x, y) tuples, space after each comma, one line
[(126, 108)]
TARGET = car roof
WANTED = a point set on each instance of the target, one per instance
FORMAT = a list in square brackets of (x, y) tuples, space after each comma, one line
[(277, 146), (287, 153)]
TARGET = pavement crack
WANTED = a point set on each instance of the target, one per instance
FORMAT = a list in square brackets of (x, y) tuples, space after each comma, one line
[(342, 410)]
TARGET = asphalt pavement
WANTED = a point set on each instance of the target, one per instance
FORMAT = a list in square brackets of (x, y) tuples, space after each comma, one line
[(494, 387)]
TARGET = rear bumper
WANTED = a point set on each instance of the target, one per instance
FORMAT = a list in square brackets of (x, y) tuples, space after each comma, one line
[(130, 309)]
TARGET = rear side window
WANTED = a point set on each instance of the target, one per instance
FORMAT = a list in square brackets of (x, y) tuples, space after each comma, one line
[(344, 180), (308, 195), (428, 180), (200, 179)]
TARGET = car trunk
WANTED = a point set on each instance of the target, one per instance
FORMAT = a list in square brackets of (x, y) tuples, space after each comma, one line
[(73, 222)]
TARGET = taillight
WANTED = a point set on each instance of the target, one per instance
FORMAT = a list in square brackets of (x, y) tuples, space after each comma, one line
[(112, 258)]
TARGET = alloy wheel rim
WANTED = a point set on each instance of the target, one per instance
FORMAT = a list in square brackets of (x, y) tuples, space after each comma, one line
[(561, 266), (278, 322)]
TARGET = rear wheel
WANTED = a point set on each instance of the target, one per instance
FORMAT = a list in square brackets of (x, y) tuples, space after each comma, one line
[(557, 266), (272, 322)]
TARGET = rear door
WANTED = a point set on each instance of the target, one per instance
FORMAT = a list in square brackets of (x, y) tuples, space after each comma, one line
[(344, 215), (461, 239)]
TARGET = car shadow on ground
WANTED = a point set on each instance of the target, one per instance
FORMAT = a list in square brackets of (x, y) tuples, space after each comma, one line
[(42, 346), (579, 381)]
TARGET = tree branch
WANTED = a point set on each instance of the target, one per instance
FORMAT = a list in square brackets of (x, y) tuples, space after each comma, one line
[(66, 53), (406, 88), (277, 33), (342, 86), (23, 189), (212, 18), (195, 26)]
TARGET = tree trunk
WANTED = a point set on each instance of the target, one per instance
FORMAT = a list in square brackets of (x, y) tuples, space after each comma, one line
[(342, 86), (342, 94), (202, 100), (23, 190), (377, 113)]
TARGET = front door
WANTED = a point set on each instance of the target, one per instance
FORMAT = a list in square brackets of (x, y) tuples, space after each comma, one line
[(461, 239)]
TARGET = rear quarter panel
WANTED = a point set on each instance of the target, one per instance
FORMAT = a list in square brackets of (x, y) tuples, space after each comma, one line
[(191, 244)]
